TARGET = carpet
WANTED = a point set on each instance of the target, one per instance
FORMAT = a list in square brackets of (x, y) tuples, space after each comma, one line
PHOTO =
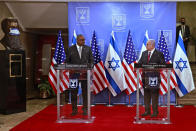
[(116, 118)]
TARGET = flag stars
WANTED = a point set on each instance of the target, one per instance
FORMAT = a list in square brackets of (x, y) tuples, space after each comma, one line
[(162, 46), (181, 64), (113, 64), (95, 50)]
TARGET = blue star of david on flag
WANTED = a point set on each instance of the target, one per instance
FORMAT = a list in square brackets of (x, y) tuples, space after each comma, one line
[(181, 64), (114, 69), (113, 64), (184, 76)]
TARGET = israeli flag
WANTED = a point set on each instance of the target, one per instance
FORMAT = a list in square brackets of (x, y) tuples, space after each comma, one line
[(114, 69), (79, 89), (182, 69), (74, 38), (146, 38)]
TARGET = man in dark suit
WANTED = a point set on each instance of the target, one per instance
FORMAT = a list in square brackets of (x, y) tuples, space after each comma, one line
[(151, 56), (185, 33), (79, 54)]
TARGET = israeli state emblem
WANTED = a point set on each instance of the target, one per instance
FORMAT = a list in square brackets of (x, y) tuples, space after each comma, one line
[(82, 15), (153, 81), (73, 83), (147, 10), (118, 21)]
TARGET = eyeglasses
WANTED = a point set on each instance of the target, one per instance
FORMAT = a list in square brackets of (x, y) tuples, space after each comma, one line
[(81, 39)]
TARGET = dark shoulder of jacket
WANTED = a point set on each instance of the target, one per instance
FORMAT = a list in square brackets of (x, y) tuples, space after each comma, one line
[(159, 51), (86, 46), (72, 46), (145, 51)]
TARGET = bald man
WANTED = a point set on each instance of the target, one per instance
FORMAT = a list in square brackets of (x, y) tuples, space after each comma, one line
[(151, 56)]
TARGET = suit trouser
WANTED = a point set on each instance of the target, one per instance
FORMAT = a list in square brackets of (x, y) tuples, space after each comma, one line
[(186, 46), (151, 93), (74, 93)]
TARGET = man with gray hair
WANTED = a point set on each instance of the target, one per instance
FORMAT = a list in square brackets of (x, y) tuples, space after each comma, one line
[(151, 56)]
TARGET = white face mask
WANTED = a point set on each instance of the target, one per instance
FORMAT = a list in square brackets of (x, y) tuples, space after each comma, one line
[(14, 31)]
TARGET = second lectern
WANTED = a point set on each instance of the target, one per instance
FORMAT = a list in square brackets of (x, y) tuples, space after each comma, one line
[(153, 78)]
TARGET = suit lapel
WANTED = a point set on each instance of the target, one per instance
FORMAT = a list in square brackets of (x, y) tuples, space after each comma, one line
[(76, 50), (83, 51), (146, 56)]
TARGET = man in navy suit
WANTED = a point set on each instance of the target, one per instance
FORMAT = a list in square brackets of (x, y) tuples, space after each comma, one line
[(151, 56), (185, 33), (79, 54)]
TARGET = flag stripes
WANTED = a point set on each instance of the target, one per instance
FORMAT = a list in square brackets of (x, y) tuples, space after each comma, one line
[(162, 46), (58, 58), (99, 77)]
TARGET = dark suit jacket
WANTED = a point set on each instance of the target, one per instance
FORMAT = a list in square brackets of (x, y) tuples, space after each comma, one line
[(186, 33), (156, 58), (74, 58)]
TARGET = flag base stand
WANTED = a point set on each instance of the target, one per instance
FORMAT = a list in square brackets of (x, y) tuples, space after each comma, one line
[(109, 105), (179, 106), (130, 105)]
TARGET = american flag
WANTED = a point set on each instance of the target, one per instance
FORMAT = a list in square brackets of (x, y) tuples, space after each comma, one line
[(99, 78), (58, 58), (128, 66), (162, 46)]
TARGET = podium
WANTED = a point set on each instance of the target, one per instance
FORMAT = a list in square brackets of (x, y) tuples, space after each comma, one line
[(13, 81), (64, 110), (143, 77)]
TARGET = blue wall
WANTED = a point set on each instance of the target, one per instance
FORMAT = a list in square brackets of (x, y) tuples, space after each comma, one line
[(137, 17)]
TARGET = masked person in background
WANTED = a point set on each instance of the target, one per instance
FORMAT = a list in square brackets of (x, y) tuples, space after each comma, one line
[(185, 33)]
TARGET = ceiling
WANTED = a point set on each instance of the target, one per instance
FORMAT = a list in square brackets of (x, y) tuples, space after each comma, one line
[(40, 16)]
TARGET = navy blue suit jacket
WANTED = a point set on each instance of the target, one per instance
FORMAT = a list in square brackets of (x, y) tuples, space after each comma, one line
[(74, 58), (156, 58)]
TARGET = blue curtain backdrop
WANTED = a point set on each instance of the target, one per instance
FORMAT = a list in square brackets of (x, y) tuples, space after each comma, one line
[(103, 17)]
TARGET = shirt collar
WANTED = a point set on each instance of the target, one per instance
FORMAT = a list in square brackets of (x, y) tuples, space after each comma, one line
[(78, 46), (152, 51)]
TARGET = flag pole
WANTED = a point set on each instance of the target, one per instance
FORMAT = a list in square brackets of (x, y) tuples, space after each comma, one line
[(163, 102), (177, 104), (92, 100), (129, 104), (109, 100)]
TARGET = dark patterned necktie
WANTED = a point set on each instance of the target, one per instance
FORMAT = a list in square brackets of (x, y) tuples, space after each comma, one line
[(149, 53)]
